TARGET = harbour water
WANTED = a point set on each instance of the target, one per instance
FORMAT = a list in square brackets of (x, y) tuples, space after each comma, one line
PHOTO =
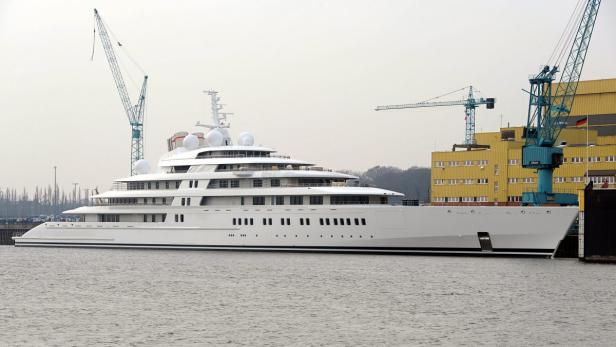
[(78, 297)]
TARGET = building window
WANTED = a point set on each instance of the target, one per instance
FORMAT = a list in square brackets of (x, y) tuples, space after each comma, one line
[(594, 159), (468, 163), (235, 183), (297, 200), (257, 183), (577, 160), (438, 182), (316, 200), (453, 163), (258, 200), (439, 164), (482, 181), (560, 179), (512, 162), (610, 158), (469, 181)]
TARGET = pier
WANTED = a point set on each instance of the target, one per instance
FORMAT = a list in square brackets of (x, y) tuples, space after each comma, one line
[(7, 231), (597, 238)]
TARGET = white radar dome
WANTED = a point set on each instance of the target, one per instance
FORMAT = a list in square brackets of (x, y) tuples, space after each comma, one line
[(142, 167), (214, 138), (190, 142), (246, 139)]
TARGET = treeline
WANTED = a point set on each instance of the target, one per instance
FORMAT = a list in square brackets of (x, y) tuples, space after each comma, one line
[(414, 182), (15, 204)]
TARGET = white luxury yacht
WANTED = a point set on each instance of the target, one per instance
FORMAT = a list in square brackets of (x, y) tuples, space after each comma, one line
[(212, 194)]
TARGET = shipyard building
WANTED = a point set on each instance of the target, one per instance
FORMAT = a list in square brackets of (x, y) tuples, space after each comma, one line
[(494, 175)]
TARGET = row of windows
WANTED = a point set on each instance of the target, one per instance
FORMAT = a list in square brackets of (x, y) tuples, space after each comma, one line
[(451, 182), (193, 184), (153, 185), (179, 218), (461, 199), (460, 163), (303, 221), (112, 218), (594, 159), (307, 235), (515, 180), (154, 218)]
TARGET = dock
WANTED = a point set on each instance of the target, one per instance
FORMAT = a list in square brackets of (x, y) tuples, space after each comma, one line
[(8, 231)]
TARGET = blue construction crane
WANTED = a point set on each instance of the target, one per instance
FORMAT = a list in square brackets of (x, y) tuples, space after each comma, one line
[(135, 113), (470, 104), (548, 111)]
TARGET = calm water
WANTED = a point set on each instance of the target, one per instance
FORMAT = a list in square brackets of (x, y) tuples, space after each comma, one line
[(130, 297)]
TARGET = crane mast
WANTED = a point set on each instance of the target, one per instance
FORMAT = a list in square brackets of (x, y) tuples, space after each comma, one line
[(470, 104), (135, 113), (548, 111)]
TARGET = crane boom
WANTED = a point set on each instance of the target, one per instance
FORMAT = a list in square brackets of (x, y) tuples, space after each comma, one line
[(548, 112), (134, 113)]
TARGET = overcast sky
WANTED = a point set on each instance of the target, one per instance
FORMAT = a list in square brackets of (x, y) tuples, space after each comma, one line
[(303, 76)]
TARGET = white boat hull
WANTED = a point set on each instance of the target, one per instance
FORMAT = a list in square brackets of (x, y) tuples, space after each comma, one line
[(389, 229)]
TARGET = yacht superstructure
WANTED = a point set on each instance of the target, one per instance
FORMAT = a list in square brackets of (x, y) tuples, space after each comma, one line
[(210, 193)]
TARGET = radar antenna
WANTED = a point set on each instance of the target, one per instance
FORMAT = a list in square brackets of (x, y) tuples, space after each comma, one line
[(219, 119)]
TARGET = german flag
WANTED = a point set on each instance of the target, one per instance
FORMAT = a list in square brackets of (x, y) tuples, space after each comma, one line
[(581, 122)]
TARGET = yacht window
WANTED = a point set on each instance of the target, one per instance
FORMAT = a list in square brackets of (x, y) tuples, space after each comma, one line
[(242, 200), (245, 221), (349, 199), (275, 182), (235, 183), (278, 200), (234, 221), (348, 221), (157, 185), (264, 221), (307, 221), (297, 200), (239, 221), (252, 221), (188, 201), (203, 201), (183, 201), (196, 184), (149, 185), (327, 221), (177, 184), (335, 221), (356, 221), (257, 183), (182, 218), (341, 221), (288, 221), (363, 221), (164, 217), (153, 201), (190, 184), (166, 184), (153, 218), (176, 218), (269, 220), (383, 200), (301, 221), (164, 201), (258, 200), (316, 200), (145, 218), (281, 221), (223, 184), (321, 221)]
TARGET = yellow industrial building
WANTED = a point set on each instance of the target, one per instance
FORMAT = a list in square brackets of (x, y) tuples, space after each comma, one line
[(494, 175)]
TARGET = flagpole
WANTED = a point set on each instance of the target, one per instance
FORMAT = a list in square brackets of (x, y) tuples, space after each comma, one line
[(587, 150)]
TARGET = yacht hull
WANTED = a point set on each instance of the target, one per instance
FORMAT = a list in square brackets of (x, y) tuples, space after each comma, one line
[(523, 231)]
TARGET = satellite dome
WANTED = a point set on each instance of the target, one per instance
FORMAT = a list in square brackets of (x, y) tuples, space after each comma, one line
[(214, 138), (142, 167), (246, 139), (190, 142)]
